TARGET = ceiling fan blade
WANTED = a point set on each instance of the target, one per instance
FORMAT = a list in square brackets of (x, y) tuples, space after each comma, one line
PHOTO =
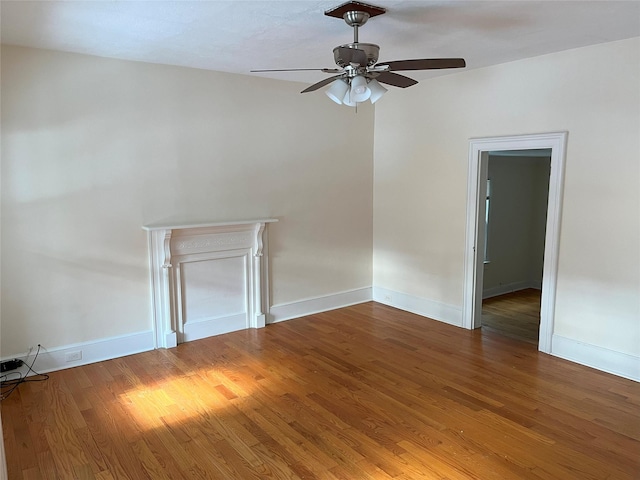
[(348, 56), (321, 84), (325, 70), (396, 80), (425, 64)]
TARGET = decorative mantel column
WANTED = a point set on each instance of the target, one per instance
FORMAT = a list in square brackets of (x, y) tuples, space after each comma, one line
[(208, 279)]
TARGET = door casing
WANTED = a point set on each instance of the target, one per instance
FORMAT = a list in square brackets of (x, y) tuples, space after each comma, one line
[(479, 149)]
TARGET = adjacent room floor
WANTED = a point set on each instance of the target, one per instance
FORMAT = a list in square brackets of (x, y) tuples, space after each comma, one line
[(515, 315)]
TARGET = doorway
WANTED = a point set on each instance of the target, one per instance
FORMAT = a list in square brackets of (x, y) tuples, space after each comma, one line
[(479, 150), (515, 222)]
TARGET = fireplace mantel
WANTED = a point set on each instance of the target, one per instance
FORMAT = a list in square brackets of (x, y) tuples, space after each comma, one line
[(178, 225), (208, 278)]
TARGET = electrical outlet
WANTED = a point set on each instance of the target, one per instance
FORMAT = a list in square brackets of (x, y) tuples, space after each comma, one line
[(73, 356)]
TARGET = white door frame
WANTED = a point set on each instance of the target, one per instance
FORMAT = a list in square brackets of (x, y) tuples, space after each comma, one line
[(473, 266)]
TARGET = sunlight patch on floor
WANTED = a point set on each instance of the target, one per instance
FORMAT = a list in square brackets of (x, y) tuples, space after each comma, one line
[(184, 398)]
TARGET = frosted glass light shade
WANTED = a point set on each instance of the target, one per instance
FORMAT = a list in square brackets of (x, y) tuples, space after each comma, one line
[(377, 91), (359, 90), (338, 91), (347, 99)]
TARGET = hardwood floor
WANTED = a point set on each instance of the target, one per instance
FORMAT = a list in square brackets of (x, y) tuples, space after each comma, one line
[(364, 392), (515, 315)]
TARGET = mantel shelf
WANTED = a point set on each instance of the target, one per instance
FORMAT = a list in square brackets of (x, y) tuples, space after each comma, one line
[(179, 226)]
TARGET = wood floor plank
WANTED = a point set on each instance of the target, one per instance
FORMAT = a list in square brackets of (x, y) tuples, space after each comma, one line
[(364, 392), (515, 315)]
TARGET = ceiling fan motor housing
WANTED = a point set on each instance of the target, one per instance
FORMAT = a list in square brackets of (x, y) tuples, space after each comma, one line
[(370, 49)]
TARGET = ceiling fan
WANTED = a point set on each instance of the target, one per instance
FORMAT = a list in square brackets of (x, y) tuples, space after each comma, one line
[(359, 76)]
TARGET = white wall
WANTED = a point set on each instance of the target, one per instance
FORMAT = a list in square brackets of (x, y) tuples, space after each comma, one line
[(519, 192), (94, 148), (420, 182)]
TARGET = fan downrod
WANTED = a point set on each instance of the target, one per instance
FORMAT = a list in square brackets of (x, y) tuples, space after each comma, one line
[(355, 14)]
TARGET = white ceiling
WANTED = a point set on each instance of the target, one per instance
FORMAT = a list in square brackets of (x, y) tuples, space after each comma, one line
[(237, 36)]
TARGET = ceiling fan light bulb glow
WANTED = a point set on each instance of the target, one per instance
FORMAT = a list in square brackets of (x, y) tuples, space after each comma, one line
[(377, 91), (338, 91), (359, 85), (359, 90)]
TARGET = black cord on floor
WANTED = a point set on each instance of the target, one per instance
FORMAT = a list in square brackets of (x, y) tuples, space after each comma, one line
[(8, 385)]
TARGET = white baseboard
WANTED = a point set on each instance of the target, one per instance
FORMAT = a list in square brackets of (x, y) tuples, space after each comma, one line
[(508, 288), (610, 361), (621, 364), (50, 360), (288, 311), (421, 306)]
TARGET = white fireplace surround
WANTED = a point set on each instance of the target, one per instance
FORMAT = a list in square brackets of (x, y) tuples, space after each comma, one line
[(208, 279)]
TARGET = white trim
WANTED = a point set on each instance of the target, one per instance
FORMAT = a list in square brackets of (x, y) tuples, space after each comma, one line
[(442, 312), (92, 352), (610, 361), (288, 311), (472, 274)]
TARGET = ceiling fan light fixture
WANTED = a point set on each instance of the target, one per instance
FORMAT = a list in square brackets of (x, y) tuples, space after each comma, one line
[(377, 91), (360, 92), (338, 91)]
